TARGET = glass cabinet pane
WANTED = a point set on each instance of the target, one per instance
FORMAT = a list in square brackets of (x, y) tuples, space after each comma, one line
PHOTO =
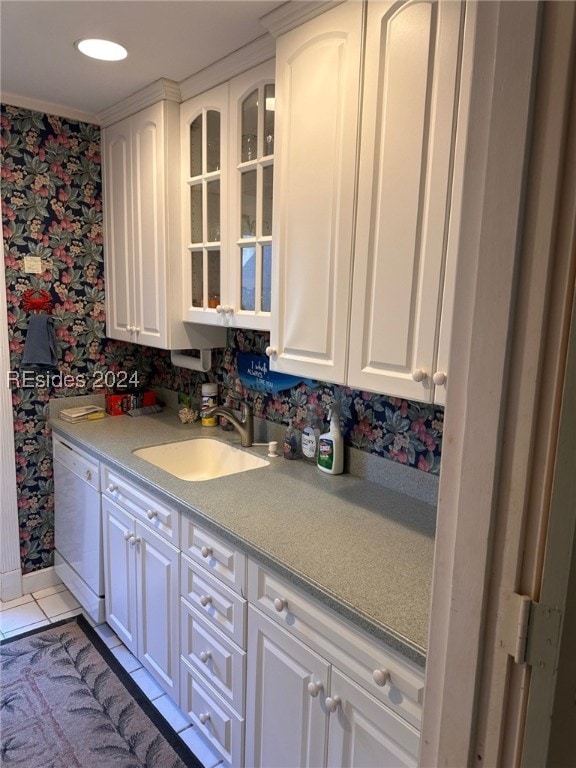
[(249, 149), (248, 278), (197, 279), (196, 227), (196, 147), (213, 279), (213, 210), (269, 110), (267, 182), (248, 204), (212, 141), (266, 278)]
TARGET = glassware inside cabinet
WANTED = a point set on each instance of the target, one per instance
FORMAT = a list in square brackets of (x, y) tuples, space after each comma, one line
[(269, 112), (196, 147), (248, 203), (212, 141), (249, 149), (267, 185)]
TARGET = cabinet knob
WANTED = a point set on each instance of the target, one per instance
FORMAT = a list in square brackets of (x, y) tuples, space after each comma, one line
[(315, 688), (219, 309), (280, 603), (204, 717), (439, 378), (332, 703), (418, 374), (128, 535), (135, 540), (151, 514), (381, 676), (112, 487), (205, 600), (205, 656), (206, 551), (271, 351), (136, 329)]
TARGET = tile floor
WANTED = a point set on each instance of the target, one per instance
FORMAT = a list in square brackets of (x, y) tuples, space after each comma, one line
[(55, 603)]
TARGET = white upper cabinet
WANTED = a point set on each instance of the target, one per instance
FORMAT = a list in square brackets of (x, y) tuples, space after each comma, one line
[(406, 152), (142, 217), (227, 159), (363, 195), (317, 98)]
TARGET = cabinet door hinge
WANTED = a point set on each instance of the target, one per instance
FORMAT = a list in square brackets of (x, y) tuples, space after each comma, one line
[(531, 631)]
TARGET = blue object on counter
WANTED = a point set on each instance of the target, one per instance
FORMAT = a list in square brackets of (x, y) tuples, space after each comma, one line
[(254, 373)]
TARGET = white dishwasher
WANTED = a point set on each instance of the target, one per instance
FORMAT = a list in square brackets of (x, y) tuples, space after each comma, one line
[(78, 526)]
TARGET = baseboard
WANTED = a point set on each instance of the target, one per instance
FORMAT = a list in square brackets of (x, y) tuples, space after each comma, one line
[(37, 580), (10, 585)]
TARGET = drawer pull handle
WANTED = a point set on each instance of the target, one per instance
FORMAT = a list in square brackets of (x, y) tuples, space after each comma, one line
[(205, 656), (381, 676), (128, 535), (204, 717), (112, 487), (315, 688), (206, 551), (205, 600), (332, 703), (151, 514), (280, 603)]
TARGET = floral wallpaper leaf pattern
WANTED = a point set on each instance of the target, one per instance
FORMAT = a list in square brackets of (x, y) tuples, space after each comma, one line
[(51, 195)]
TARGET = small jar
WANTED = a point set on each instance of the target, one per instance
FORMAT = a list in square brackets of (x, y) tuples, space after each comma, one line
[(209, 399)]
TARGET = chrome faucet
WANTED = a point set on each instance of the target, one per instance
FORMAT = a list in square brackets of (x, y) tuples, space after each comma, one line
[(244, 425)]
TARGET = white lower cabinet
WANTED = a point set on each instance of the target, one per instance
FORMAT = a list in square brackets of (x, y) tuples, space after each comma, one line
[(141, 580), (267, 675), (213, 640), (320, 693), (286, 726), (363, 733)]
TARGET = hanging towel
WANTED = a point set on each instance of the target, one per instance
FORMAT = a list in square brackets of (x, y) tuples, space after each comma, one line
[(40, 344)]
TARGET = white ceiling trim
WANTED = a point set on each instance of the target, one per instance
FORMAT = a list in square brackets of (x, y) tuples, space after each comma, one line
[(48, 108)]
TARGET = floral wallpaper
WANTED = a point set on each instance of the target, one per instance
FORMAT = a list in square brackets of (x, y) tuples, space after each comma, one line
[(52, 209)]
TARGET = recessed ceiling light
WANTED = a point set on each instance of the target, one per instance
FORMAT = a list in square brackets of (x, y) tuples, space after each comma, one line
[(105, 50)]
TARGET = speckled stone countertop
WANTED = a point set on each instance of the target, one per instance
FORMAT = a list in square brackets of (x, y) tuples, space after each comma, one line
[(362, 549)]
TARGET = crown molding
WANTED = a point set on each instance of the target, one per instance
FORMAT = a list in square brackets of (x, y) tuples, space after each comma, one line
[(47, 107), (291, 15), (160, 90), (251, 55)]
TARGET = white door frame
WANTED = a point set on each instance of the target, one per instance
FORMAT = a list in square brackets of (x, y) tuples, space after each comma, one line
[(472, 715), (10, 568)]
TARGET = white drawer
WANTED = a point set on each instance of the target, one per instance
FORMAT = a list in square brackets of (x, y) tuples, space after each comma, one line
[(214, 656), (157, 515), (214, 554), (219, 605), (388, 676), (223, 728)]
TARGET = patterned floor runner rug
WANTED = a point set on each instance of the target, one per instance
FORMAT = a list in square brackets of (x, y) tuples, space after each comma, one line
[(65, 702)]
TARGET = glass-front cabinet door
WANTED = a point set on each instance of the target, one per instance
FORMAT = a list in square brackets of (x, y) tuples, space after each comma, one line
[(228, 175), (205, 161), (252, 112)]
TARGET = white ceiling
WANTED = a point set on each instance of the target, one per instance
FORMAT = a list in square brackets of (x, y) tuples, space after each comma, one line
[(164, 38)]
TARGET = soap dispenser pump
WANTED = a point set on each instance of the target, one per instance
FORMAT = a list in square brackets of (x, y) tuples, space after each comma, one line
[(331, 447)]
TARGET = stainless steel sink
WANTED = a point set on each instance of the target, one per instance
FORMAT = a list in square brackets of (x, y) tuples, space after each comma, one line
[(202, 458)]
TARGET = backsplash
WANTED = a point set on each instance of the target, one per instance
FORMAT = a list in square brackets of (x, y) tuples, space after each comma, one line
[(52, 209)]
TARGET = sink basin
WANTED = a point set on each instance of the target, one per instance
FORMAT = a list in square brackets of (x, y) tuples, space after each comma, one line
[(202, 458)]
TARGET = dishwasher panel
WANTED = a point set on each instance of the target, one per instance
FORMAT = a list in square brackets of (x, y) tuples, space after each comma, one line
[(78, 526)]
